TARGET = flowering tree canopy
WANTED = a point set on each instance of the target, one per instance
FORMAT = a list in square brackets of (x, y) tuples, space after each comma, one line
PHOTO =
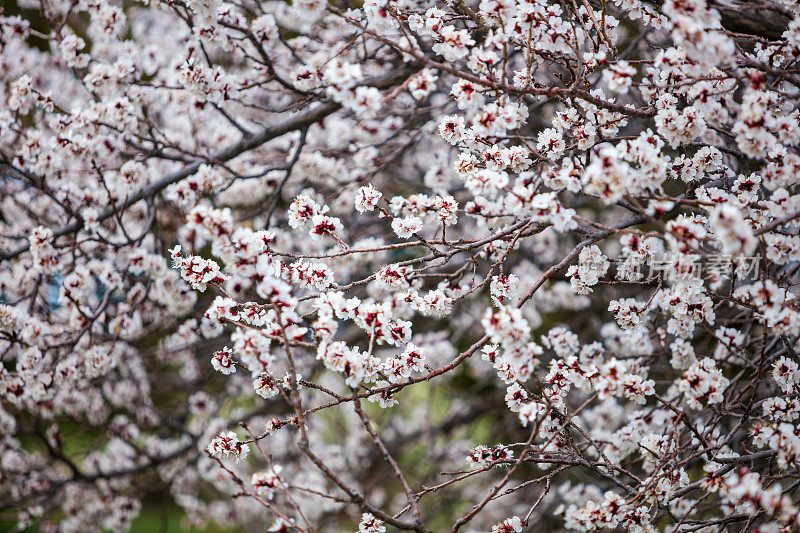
[(474, 265)]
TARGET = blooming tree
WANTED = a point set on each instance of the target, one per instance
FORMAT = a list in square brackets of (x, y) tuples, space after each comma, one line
[(476, 265)]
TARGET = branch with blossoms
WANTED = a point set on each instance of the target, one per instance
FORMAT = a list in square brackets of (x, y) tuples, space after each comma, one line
[(481, 265)]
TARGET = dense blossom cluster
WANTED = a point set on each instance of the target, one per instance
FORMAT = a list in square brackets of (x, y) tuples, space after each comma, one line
[(475, 265)]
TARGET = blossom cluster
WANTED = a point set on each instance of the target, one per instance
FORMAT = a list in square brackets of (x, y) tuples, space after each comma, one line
[(322, 266)]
